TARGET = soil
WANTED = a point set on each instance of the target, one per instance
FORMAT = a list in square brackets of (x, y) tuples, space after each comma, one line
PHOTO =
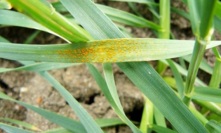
[(33, 89)]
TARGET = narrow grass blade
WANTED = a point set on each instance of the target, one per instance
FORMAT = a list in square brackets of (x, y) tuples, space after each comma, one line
[(21, 124), (12, 129), (152, 5), (164, 19), (113, 100), (2, 39), (87, 121), (216, 76), (134, 8), (113, 50), (109, 78), (53, 117), (198, 114), (59, 7), (138, 1), (178, 78), (217, 25), (36, 67), (159, 117), (141, 74), (207, 94), (160, 129), (30, 39), (195, 16), (127, 18), (218, 9), (203, 65), (107, 122), (183, 71), (213, 107), (217, 18), (57, 130), (213, 126), (170, 81), (207, 20), (181, 13), (201, 16), (147, 116)]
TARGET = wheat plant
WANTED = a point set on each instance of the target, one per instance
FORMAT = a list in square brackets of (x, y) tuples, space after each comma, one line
[(93, 38)]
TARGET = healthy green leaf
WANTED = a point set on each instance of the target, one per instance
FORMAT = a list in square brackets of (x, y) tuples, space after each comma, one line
[(217, 25), (218, 9), (195, 15), (216, 76), (207, 94), (203, 65), (2, 39), (178, 78), (160, 129), (57, 130), (213, 107), (141, 80), (109, 77), (4, 4), (36, 67), (159, 117), (12, 18), (183, 71), (213, 126), (21, 124), (207, 13), (127, 18), (107, 122), (111, 95), (51, 19), (79, 9), (164, 19), (200, 116), (137, 1), (147, 116), (12, 129), (217, 18)]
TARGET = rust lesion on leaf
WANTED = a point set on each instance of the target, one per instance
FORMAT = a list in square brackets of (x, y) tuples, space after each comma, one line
[(102, 51), (76, 55)]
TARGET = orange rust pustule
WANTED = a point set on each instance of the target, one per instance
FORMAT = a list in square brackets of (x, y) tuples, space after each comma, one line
[(75, 55), (101, 51)]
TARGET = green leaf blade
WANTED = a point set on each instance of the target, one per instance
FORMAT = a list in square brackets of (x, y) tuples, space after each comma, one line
[(167, 99), (111, 96), (12, 129), (207, 94), (56, 22)]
